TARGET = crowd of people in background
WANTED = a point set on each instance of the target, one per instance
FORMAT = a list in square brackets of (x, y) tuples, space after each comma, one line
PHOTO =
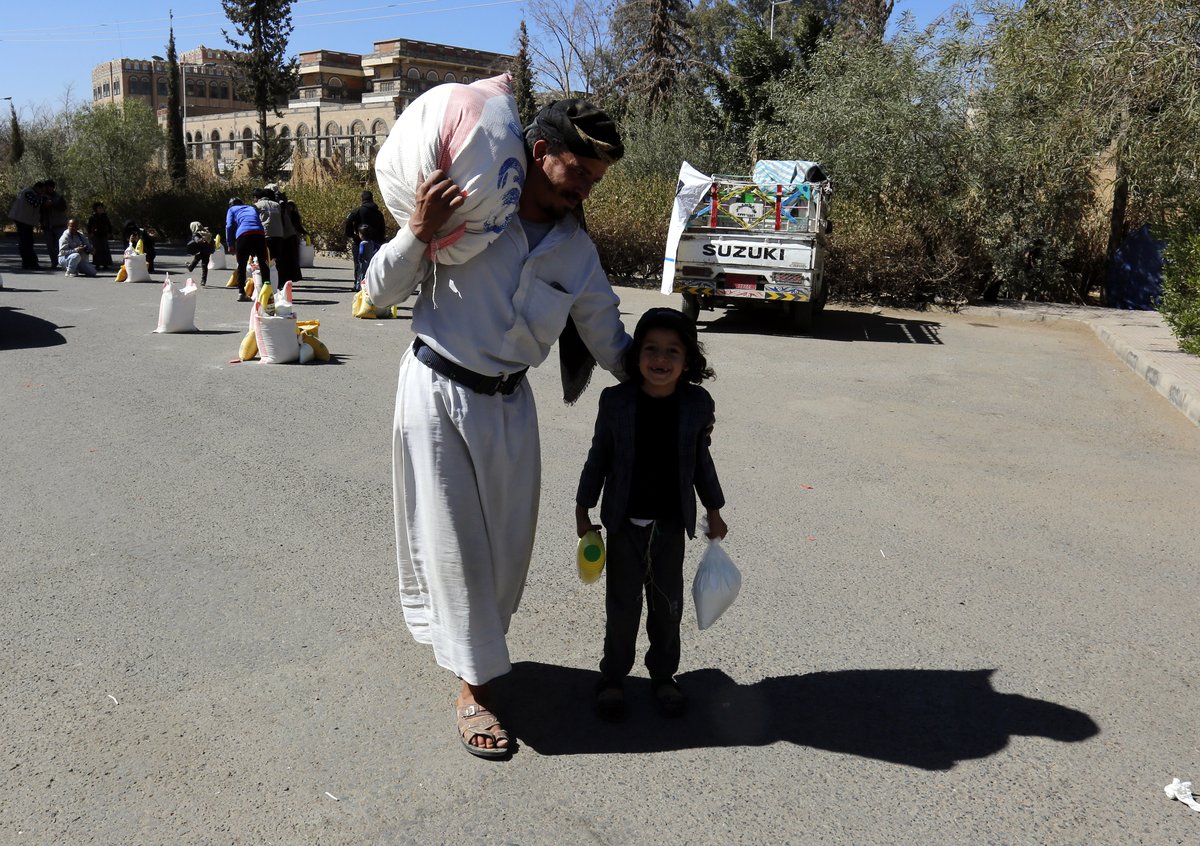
[(81, 248)]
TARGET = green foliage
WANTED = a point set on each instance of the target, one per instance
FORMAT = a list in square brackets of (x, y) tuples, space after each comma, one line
[(627, 218), (112, 146), (324, 208), (16, 143), (266, 76), (1180, 305), (653, 47), (176, 152), (684, 128), (522, 75)]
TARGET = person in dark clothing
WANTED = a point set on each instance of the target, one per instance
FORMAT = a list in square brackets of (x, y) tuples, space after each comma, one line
[(293, 222), (200, 248), (100, 229), (650, 450), (26, 213), (245, 235), (368, 214), (147, 239), (54, 219)]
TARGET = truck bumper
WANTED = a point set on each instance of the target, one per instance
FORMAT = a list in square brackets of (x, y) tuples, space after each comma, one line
[(781, 293)]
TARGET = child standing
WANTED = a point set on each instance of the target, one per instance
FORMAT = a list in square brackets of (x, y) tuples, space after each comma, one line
[(200, 248), (650, 449), (367, 248)]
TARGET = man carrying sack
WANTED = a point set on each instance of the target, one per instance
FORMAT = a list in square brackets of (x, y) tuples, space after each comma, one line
[(466, 454)]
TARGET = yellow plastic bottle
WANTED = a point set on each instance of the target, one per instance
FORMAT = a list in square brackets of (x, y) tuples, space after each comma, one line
[(590, 556)]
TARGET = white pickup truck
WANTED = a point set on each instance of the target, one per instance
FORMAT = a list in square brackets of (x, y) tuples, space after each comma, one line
[(748, 240)]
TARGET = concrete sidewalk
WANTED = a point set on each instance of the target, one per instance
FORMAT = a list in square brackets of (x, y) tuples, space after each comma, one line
[(1141, 339)]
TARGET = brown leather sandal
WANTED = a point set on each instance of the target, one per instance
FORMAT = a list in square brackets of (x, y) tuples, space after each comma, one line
[(476, 721)]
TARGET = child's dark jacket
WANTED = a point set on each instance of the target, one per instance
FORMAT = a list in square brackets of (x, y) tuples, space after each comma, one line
[(610, 460)]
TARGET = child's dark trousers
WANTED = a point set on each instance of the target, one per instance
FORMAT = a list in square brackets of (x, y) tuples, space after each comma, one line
[(650, 560)]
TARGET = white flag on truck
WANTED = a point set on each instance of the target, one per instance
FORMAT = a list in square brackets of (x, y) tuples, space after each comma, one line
[(691, 187)]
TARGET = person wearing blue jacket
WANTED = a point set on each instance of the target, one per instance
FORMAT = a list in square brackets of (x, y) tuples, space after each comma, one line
[(244, 233)]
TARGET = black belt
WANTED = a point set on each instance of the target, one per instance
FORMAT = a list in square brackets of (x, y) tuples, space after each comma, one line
[(477, 382)]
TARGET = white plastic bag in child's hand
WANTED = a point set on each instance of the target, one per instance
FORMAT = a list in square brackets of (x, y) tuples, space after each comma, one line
[(716, 584)]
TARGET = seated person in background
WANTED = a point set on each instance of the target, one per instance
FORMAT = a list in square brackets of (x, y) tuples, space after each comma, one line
[(74, 251)]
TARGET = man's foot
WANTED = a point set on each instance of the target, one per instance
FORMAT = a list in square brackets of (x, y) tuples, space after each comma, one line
[(243, 299), (610, 700), (668, 698), (478, 728)]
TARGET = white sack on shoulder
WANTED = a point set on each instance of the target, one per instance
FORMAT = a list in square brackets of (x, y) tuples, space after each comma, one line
[(716, 584), (177, 308), (472, 133)]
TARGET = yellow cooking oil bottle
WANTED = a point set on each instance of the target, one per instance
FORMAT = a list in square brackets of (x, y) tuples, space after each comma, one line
[(590, 556)]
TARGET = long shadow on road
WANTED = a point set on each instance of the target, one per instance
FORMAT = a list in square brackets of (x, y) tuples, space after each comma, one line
[(832, 325), (19, 330), (929, 719)]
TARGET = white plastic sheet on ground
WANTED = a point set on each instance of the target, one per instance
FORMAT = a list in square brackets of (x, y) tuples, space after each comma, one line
[(177, 307), (691, 187), (1182, 791)]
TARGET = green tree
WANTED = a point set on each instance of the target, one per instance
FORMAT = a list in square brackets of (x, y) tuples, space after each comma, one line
[(266, 76), (176, 152), (114, 146), (522, 75), (1100, 98), (16, 142), (652, 44)]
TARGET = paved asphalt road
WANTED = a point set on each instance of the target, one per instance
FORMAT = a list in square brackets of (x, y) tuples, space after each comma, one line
[(969, 608)]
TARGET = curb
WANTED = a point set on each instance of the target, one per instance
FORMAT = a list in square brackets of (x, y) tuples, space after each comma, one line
[(1180, 394)]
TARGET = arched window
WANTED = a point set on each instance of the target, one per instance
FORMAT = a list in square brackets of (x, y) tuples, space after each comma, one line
[(224, 90), (432, 76), (198, 147), (285, 137), (232, 141), (357, 131), (450, 76), (331, 132), (379, 133), (162, 87), (247, 143), (413, 73), (302, 137), (214, 90), (216, 143)]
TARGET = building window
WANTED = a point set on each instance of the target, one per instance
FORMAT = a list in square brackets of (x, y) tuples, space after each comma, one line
[(224, 90), (214, 91), (413, 73), (432, 76), (450, 77), (232, 141), (105, 89), (162, 87), (117, 87), (247, 143)]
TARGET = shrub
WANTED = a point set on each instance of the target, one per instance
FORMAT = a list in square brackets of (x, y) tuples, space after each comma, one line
[(1181, 290), (627, 218)]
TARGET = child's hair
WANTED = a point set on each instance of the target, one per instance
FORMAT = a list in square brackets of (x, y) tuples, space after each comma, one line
[(366, 232), (695, 369)]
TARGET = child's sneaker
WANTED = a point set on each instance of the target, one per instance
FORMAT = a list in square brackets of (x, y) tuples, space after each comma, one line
[(610, 700), (668, 698)]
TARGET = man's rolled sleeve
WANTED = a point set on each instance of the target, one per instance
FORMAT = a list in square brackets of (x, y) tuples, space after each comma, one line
[(396, 269)]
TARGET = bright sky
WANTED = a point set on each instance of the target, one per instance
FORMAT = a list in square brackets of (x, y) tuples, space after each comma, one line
[(41, 55)]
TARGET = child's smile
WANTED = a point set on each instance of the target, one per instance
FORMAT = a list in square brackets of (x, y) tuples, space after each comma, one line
[(661, 361)]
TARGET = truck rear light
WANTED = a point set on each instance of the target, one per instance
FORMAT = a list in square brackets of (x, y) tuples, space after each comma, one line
[(696, 270)]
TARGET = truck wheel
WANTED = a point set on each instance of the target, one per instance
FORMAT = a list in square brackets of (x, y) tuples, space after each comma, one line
[(690, 307), (800, 315)]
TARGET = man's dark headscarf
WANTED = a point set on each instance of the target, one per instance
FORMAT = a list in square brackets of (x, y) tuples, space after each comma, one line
[(581, 128)]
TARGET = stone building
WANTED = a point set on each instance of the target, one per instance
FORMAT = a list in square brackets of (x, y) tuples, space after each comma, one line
[(344, 103)]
